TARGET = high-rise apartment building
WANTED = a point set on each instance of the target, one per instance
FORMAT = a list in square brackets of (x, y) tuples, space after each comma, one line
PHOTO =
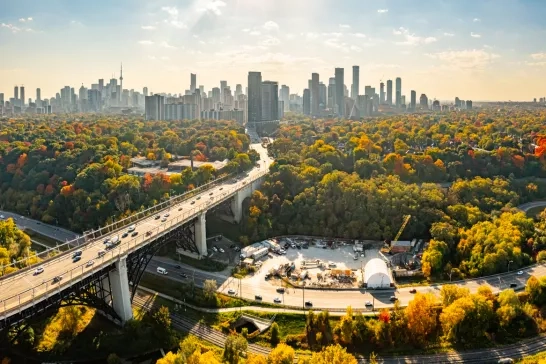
[(16, 93), (223, 85), (389, 92), (381, 93), (306, 102), (238, 90), (355, 87), (193, 82), (469, 104), (144, 91), (340, 95), (314, 94), (413, 101), (284, 96), (457, 102), (22, 96), (332, 93), (423, 102), (322, 96), (270, 100), (216, 95), (38, 95), (1, 99), (398, 91), (154, 107), (254, 97)]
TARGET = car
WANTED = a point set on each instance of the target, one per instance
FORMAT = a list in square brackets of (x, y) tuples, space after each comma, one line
[(232, 246), (355, 257), (257, 297), (305, 246), (124, 235), (298, 246), (413, 290), (100, 253), (222, 250), (178, 266), (183, 275), (77, 258), (221, 188), (308, 304), (277, 300), (135, 233), (513, 285), (57, 279), (167, 214), (148, 233), (180, 208), (164, 219), (368, 304), (90, 263), (193, 202), (393, 299), (38, 270), (215, 249), (282, 252), (505, 361), (280, 290), (38, 223), (198, 198), (237, 249), (231, 291), (520, 272), (293, 246), (131, 228), (77, 253), (108, 246), (106, 241), (157, 217)]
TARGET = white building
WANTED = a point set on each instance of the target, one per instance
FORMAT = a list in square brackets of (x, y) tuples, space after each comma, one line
[(377, 274)]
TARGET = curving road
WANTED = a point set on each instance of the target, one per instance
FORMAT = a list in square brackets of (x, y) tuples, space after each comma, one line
[(529, 205), (52, 232), (26, 287)]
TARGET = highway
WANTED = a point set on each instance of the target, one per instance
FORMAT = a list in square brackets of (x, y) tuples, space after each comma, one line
[(529, 205), (53, 232), (26, 287)]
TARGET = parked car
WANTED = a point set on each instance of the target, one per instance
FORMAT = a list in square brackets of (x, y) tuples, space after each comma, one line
[(167, 215), (520, 272), (308, 304), (221, 250), (280, 290), (39, 270), (183, 275), (164, 219), (193, 202), (393, 298), (215, 249), (258, 297)]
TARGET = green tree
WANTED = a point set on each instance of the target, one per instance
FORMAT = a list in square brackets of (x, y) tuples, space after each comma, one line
[(275, 335), (234, 346)]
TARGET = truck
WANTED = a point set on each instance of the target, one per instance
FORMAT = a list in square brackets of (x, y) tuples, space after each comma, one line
[(260, 253)]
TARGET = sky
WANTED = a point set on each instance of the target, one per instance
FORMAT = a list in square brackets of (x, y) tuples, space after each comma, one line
[(472, 49)]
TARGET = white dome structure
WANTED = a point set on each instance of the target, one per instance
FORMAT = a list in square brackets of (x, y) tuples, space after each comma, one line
[(377, 275)]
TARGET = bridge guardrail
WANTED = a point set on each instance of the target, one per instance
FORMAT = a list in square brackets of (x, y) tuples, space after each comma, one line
[(116, 226), (42, 290)]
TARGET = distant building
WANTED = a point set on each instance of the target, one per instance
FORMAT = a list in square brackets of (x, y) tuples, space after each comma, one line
[(457, 102), (306, 102), (181, 112), (340, 94), (322, 96), (423, 101), (236, 115), (389, 92), (314, 88), (254, 97), (270, 100), (377, 274), (398, 92), (382, 93), (436, 105), (193, 82), (331, 103), (469, 104), (413, 102), (284, 95), (355, 87), (154, 107)]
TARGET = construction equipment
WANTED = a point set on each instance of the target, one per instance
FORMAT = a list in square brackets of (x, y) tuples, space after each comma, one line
[(386, 248)]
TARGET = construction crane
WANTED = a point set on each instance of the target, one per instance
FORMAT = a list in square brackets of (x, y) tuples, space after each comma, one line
[(387, 248)]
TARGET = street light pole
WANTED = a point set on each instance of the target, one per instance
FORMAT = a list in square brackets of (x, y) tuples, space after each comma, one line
[(510, 261)]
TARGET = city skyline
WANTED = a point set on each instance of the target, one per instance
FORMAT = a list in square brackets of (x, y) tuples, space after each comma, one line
[(442, 48)]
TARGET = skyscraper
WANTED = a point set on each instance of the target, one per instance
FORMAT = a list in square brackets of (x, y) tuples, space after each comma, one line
[(340, 97), (254, 97), (332, 93), (22, 96), (413, 100), (144, 91), (193, 82), (389, 92), (270, 100), (1, 99), (284, 96), (306, 102), (314, 94), (381, 93), (398, 91), (355, 87), (154, 107), (423, 101), (223, 85), (38, 95), (238, 90), (120, 83), (322, 96), (16, 93), (216, 95)]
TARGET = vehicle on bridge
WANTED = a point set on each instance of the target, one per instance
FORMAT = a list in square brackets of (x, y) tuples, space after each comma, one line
[(101, 253), (38, 270), (132, 228), (161, 270), (115, 240), (57, 279), (90, 263), (77, 253), (77, 258), (135, 233)]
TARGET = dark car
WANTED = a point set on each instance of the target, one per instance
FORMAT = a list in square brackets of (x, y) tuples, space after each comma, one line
[(193, 202), (183, 275), (57, 279), (135, 233), (124, 235), (393, 298), (308, 304), (413, 290), (178, 266), (513, 285), (77, 253), (280, 290), (258, 297), (76, 258)]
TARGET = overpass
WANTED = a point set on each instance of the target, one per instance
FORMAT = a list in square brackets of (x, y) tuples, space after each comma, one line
[(107, 275)]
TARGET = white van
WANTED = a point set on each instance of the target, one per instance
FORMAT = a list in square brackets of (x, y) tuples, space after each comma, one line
[(162, 271)]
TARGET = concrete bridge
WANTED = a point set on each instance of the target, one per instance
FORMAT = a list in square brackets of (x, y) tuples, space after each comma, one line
[(101, 277)]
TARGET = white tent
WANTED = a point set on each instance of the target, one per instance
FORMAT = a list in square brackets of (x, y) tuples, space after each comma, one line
[(376, 274)]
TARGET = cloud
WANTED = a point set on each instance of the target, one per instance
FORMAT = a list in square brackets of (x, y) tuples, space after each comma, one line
[(344, 26), (475, 35), (310, 35), (270, 41), (536, 64), (465, 59), (15, 29), (356, 48), (248, 56), (145, 42), (333, 34), (76, 23), (538, 56), (23, 20), (412, 39), (245, 30), (449, 35), (164, 44), (271, 25), (476, 20), (165, 58), (382, 11), (342, 46), (213, 7), (358, 35), (173, 17), (255, 32), (148, 27)]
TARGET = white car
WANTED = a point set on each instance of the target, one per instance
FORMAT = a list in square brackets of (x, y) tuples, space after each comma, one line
[(520, 272), (38, 270), (90, 263), (277, 300), (132, 228), (166, 215), (222, 250), (215, 249), (231, 291), (368, 304), (164, 219)]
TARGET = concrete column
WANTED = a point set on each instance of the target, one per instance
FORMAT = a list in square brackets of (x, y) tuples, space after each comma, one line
[(201, 234), (237, 207), (121, 294)]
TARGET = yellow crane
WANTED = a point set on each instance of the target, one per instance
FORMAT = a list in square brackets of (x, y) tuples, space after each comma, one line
[(404, 223)]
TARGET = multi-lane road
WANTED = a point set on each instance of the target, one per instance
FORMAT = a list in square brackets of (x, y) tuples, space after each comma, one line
[(52, 232), (26, 287)]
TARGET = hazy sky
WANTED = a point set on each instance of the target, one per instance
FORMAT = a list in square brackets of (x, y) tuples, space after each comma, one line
[(473, 49)]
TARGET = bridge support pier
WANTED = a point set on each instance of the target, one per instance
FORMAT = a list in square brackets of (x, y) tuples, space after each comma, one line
[(121, 294), (201, 234), (237, 206)]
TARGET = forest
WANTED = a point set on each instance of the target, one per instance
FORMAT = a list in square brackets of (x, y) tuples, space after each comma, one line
[(459, 175), (74, 172)]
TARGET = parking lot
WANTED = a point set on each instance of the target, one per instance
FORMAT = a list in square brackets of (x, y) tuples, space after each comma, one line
[(229, 254), (340, 259)]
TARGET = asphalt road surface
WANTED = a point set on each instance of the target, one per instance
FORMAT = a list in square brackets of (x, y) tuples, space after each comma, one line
[(529, 205), (50, 231), (28, 286)]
